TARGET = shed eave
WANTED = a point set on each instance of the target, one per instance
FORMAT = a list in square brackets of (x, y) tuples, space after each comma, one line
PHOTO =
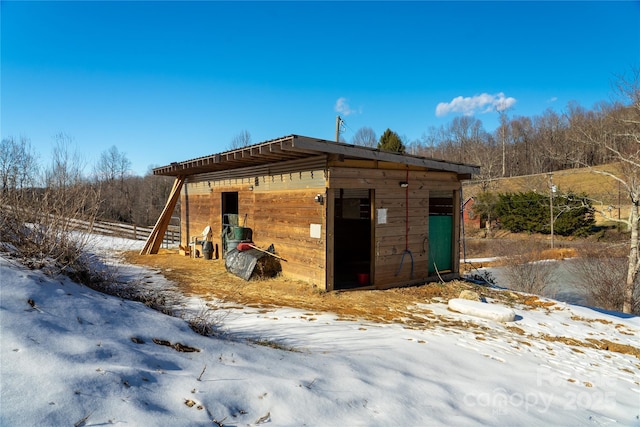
[(295, 147)]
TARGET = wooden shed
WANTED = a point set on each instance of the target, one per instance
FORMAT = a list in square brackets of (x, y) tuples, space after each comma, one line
[(342, 216)]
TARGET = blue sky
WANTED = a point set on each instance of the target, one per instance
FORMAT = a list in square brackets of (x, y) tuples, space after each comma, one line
[(170, 81)]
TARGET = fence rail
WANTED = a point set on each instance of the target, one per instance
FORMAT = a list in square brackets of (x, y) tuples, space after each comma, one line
[(113, 228), (127, 231)]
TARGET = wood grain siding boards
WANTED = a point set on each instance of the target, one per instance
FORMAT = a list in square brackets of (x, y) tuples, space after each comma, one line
[(371, 183), (200, 214), (204, 209), (291, 181), (281, 218), (391, 238), (395, 219), (262, 183), (395, 174), (280, 209), (272, 199), (316, 163), (196, 188), (284, 219)]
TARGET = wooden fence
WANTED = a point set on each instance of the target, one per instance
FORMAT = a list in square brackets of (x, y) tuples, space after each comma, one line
[(113, 228), (127, 231)]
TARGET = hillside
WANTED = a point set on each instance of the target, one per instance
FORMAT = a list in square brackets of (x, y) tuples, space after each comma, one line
[(73, 356), (603, 190)]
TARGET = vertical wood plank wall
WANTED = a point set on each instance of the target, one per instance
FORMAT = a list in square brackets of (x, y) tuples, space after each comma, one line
[(390, 238)]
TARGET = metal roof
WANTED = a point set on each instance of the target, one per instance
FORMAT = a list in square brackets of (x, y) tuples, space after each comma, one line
[(295, 147)]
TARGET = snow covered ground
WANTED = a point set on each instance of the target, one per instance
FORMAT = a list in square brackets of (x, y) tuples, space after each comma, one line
[(70, 356)]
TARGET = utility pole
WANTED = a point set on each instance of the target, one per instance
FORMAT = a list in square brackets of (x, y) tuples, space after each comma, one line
[(552, 189), (338, 123), (504, 155)]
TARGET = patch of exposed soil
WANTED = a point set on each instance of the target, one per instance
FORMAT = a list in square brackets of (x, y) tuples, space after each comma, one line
[(210, 278), (399, 305)]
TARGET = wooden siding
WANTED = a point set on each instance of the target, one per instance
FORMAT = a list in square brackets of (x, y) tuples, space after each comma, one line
[(279, 208), (272, 170), (284, 219), (392, 238)]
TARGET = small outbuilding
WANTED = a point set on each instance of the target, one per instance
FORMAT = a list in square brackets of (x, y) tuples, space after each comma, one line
[(340, 216), (472, 221)]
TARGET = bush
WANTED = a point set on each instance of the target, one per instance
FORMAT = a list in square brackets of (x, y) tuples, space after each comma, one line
[(576, 215), (520, 212), (601, 273), (530, 212), (527, 272), (206, 321), (39, 215)]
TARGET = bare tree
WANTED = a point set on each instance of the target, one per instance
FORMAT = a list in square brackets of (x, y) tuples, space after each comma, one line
[(18, 165), (615, 130), (464, 131), (118, 192), (522, 134), (503, 131), (18, 177), (487, 155), (366, 137), (112, 165), (65, 170), (550, 129), (41, 224), (243, 139), (429, 141)]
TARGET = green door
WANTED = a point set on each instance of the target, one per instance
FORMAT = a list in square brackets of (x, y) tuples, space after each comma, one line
[(440, 239)]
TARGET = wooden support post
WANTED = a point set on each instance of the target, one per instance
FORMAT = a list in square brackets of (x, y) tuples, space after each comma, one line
[(155, 238)]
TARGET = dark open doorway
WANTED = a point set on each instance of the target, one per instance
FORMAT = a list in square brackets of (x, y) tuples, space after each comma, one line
[(229, 216), (352, 238), (230, 208)]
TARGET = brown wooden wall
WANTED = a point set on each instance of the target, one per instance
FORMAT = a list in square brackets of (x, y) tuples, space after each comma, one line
[(279, 209), (390, 238), (284, 218)]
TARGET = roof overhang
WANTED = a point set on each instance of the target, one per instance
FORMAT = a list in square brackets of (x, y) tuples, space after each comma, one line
[(295, 147)]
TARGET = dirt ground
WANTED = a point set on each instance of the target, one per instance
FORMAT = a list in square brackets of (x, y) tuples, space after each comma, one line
[(204, 278), (210, 278)]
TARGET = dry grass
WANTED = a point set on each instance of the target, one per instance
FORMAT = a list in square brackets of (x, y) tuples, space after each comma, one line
[(558, 253), (210, 278), (576, 180), (602, 189)]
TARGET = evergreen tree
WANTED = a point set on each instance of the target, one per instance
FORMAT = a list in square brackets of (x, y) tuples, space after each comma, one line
[(485, 206), (529, 212), (390, 141), (576, 215)]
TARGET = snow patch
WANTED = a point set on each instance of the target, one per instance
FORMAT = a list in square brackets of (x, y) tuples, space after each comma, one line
[(495, 312), (72, 356)]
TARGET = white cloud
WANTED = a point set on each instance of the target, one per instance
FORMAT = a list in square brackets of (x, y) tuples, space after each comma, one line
[(470, 105), (552, 99), (342, 107)]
